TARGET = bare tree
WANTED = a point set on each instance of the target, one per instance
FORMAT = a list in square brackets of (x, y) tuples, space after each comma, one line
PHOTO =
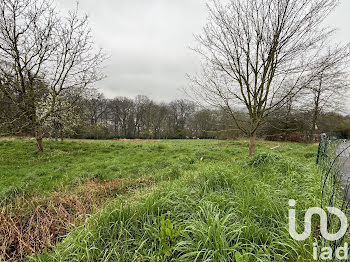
[(114, 117), (142, 105), (43, 54), (329, 88), (123, 109), (204, 122), (156, 121), (180, 111), (97, 106), (257, 54)]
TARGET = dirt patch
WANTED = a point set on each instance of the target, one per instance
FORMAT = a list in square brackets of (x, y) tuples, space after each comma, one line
[(4, 138), (31, 225)]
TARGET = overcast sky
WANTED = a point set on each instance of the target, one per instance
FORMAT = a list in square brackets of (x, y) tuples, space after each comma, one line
[(148, 42)]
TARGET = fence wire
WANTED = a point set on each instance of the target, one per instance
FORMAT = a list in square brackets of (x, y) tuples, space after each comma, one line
[(333, 159)]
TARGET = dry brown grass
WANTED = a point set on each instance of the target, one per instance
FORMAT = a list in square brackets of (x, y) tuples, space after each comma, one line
[(31, 225), (135, 140), (12, 138)]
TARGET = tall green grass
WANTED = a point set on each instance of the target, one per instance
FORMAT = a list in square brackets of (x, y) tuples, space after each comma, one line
[(62, 165), (224, 209)]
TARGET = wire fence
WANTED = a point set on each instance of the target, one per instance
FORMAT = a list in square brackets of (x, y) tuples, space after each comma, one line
[(333, 159)]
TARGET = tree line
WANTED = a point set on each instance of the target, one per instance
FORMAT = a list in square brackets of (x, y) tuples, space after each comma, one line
[(92, 116)]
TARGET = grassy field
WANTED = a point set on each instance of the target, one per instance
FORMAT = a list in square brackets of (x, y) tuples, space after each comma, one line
[(71, 162), (207, 201)]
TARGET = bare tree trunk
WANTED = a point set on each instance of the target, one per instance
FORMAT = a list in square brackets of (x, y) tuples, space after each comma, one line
[(61, 134), (252, 140), (315, 112), (313, 126), (39, 139)]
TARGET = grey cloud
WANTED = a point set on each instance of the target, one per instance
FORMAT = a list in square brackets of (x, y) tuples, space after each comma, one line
[(148, 42)]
